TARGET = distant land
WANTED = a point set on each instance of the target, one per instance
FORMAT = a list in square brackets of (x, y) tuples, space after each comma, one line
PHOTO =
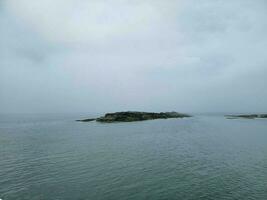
[(131, 116), (247, 116)]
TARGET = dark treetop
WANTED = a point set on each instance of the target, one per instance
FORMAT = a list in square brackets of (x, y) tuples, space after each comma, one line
[(131, 116)]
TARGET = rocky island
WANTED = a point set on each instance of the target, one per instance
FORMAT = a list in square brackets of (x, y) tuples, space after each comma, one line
[(248, 116), (131, 116)]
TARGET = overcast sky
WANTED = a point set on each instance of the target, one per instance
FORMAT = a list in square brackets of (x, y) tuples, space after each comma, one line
[(150, 55)]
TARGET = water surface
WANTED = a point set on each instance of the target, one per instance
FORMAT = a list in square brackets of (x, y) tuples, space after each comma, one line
[(204, 157)]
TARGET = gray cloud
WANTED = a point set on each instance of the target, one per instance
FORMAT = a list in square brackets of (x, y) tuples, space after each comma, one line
[(95, 56)]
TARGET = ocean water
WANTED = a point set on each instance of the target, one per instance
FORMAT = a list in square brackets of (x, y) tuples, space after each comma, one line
[(52, 157)]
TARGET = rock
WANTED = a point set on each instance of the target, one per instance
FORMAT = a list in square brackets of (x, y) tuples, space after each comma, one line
[(131, 116), (86, 120), (250, 116)]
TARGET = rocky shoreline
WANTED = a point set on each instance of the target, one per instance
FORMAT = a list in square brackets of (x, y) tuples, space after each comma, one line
[(131, 116), (248, 116)]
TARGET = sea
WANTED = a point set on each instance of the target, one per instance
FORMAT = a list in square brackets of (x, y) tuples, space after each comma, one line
[(206, 157)]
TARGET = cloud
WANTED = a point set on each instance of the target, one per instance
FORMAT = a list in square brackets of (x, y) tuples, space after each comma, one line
[(71, 21), (93, 56)]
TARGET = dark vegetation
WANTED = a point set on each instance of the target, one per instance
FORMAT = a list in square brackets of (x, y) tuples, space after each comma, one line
[(131, 116)]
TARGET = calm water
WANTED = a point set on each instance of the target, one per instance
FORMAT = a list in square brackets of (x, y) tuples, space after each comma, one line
[(52, 157)]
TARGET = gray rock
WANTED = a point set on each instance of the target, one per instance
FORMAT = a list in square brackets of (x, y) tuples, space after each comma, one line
[(248, 116)]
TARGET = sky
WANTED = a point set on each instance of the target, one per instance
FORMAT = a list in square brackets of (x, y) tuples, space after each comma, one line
[(148, 55)]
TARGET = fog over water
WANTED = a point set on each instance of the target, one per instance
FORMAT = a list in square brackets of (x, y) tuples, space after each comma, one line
[(98, 56)]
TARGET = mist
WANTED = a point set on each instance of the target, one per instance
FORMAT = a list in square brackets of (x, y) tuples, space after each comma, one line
[(103, 56)]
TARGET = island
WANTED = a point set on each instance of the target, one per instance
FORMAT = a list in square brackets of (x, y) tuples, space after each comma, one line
[(247, 116), (131, 116)]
